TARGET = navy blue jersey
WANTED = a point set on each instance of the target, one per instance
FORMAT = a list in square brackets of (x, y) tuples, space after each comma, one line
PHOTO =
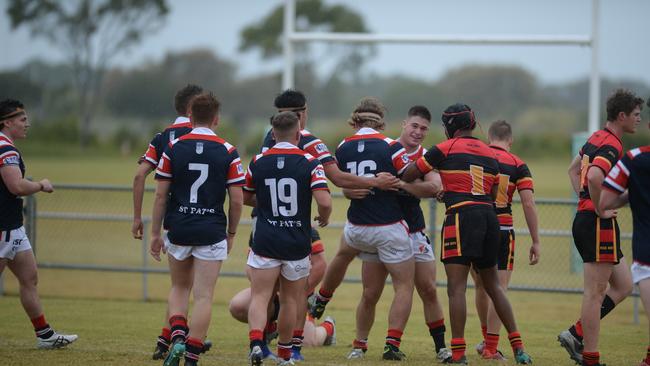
[(410, 204), (283, 178), (11, 214), (367, 153), (632, 172), (307, 143), (159, 142), (201, 166)]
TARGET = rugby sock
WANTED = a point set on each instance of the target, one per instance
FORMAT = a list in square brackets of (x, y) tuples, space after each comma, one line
[(437, 331), (284, 350), (647, 356), (394, 337), (271, 327), (515, 341), (193, 348), (576, 330), (607, 306), (590, 358), (492, 342), (256, 337), (324, 295), (484, 331), (164, 339), (178, 328), (458, 347), (42, 329), (361, 344), (329, 328), (297, 340)]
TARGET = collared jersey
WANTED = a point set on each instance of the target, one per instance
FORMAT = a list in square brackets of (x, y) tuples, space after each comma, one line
[(632, 172), (367, 153), (159, 142), (468, 170), (410, 204), (602, 150), (201, 166), (307, 143), (283, 178), (513, 175), (11, 214)]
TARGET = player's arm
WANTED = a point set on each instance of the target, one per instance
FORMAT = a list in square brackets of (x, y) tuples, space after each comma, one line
[(159, 208), (355, 194), (614, 193), (235, 204), (595, 178), (250, 199), (427, 187), (347, 180), (530, 213), (324, 203), (141, 173), (423, 165), (19, 186), (610, 200), (574, 174)]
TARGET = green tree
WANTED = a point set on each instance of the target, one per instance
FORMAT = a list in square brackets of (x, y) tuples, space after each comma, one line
[(311, 15), (90, 33)]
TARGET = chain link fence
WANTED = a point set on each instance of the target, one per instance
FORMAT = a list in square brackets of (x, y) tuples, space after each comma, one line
[(85, 230)]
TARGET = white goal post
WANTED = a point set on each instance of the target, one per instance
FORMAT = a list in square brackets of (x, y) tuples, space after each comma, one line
[(291, 37)]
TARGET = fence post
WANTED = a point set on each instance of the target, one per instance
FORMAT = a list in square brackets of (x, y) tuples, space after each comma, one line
[(145, 261), (577, 141)]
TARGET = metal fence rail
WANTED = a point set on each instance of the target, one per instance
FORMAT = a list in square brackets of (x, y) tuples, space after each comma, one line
[(81, 221)]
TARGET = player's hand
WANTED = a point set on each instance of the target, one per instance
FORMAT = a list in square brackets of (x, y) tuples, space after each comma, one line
[(608, 214), (46, 186), (136, 228), (156, 247), (322, 222), (533, 255), (357, 194), (440, 195), (230, 240), (387, 182)]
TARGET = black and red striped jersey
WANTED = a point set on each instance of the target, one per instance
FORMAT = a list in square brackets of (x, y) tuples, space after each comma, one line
[(632, 173), (602, 150), (514, 175), (410, 204), (468, 170), (367, 153), (159, 142), (307, 143), (11, 214), (283, 179), (201, 166)]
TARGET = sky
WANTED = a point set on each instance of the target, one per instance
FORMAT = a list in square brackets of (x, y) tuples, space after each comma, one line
[(215, 24)]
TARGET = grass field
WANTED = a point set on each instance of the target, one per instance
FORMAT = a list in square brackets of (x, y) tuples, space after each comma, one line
[(117, 329)]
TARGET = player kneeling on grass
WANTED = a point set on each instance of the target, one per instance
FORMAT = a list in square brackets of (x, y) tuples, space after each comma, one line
[(193, 176), (629, 181), (281, 182), (15, 249), (470, 235)]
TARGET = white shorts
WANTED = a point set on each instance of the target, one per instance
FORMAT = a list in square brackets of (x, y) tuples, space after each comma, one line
[(213, 252), (12, 242), (391, 243), (422, 250), (291, 270), (640, 272)]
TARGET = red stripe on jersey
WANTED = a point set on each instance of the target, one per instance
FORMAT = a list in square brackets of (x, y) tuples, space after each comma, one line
[(524, 183), (164, 167), (273, 151), (423, 166), (194, 136), (179, 125), (235, 173), (401, 161), (465, 182), (364, 137)]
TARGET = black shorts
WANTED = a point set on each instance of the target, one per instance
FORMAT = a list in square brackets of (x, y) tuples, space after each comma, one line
[(506, 258), (470, 235), (597, 240)]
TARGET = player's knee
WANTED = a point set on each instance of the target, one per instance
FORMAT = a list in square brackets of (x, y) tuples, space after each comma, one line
[(427, 292), (29, 280), (371, 296), (238, 310)]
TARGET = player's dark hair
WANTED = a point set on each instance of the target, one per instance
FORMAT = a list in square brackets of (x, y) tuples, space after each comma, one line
[(420, 111), (284, 123), (184, 97), (10, 108), (500, 130), (622, 100), (204, 108), (290, 99), (458, 117), (368, 113)]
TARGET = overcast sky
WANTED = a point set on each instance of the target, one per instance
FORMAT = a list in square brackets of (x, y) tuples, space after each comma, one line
[(216, 24)]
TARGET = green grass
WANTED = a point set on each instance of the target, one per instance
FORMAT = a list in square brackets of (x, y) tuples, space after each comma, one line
[(116, 329)]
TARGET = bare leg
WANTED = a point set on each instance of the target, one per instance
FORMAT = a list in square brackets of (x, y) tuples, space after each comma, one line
[(23, 267), (338, 266), (262, 289), (456, 287), (644, 289), (596, 277), (291, 293), (494, 322), (402, 275), (182, 277), (373, 278), (425, 283), (205, 278), (481, 299), (498, 297), (620, 282)]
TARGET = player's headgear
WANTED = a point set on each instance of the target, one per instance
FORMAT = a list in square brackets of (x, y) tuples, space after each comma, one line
[(10, 108), (458, 117)]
